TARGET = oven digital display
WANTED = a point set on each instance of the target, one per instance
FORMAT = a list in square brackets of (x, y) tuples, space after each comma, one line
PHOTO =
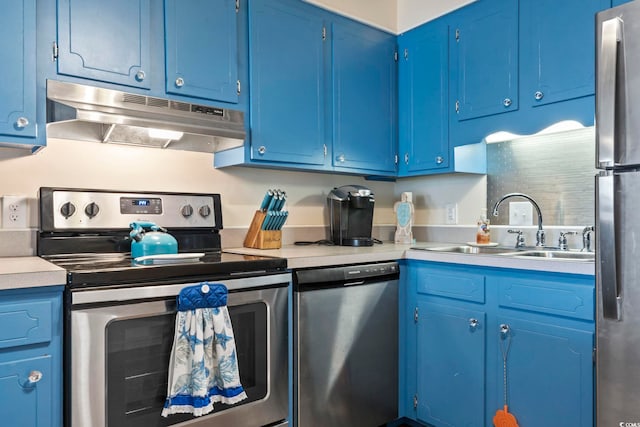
[(135, 205)]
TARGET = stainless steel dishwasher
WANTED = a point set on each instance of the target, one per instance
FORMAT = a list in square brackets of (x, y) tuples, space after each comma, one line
[(345, 354)]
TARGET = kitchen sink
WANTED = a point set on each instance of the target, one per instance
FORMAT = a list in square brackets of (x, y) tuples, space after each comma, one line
[(546, 253), (467, 249), (556, 254)]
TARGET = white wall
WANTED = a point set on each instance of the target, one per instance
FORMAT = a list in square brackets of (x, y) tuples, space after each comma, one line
[(92, 165), (396, 16), (412, 13), (378, 13)]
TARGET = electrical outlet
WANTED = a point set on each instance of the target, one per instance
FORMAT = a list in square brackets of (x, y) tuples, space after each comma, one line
[(520, 213), (14, 212), (451, 213)]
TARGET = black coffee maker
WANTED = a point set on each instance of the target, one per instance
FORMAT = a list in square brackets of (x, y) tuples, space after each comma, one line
[(351, 215)]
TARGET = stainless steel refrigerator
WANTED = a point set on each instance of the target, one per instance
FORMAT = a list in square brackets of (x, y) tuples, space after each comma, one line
[(618, 216)]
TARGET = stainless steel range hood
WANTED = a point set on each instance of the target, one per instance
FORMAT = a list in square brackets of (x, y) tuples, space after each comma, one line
[(102, 115)]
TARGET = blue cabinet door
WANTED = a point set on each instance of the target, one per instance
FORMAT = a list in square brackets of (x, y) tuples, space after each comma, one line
[(484, 68), (619, 2), (107, 41), (549, 372), (286, 76), (423, 98), (363, 72), (557, 49), (202, 48), (18, 71), (25, 403), (451, 365)]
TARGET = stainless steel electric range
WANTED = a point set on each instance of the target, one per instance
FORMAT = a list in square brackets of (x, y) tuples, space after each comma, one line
[(119, 314)]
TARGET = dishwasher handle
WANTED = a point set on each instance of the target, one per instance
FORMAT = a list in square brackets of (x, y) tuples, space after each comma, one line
[(353, 274)]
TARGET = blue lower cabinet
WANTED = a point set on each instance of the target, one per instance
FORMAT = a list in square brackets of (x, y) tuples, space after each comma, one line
[(31, 357), (26, 392), (459, 321), (549, 372), (451, 359)]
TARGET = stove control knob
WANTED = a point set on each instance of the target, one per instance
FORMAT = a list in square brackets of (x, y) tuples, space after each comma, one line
[(186, 211), (204, 211), (67, 209), (92, 209)]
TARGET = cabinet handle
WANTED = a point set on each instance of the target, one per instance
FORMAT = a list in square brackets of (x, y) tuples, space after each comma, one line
[(473, 323), (140, 75), (33, 378), (262, 149), (504, 329), (341, 158), (22, 122), (506, 102), (538, 95), (439, 160), (406, 158), (179, 82)]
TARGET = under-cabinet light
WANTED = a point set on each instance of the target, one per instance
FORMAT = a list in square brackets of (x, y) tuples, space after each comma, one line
[(561, 126), (170, 135)]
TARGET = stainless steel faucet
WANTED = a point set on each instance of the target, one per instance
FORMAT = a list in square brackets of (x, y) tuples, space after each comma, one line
[(540, 232), (586, 238)]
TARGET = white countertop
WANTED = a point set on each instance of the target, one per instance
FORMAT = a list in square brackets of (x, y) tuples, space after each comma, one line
[(317, 256), (29, 272)]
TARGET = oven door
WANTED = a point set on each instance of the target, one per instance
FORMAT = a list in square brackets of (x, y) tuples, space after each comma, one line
[(120, 343)]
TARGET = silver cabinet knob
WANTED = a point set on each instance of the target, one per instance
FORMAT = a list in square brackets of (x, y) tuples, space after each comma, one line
[(33, 378), (140, 75), (406, 158), (22, 122), (341, 158), (439, 160), (504, 329), (538, 95), (473, 323), (262, 149), (506, 102), (179, 82)]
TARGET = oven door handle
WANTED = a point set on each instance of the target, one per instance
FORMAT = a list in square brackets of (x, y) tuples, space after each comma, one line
[(92, 296)]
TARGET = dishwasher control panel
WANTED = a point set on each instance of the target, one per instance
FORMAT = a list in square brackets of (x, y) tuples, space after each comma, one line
[(370, 270), (345, 275)]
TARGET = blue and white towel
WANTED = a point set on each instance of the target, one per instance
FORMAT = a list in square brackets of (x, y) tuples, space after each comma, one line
[(203, 368)]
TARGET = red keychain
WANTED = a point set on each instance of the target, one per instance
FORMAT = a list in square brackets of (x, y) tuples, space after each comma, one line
[(503, 418)]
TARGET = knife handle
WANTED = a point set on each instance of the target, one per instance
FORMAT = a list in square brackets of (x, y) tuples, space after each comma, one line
[(267, 199)]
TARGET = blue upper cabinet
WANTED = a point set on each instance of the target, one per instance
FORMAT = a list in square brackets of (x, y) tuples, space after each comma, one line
[(423, 90), (18, 72), (202, 49), (287, 111), (484, 60), (108, 41), (619, 2), (557, 50), (364, 77)]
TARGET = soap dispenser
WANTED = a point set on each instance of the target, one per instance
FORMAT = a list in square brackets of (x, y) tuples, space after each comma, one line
[(483, 234)]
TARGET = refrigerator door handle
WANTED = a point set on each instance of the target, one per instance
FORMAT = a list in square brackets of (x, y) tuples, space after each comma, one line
[(606, 234), (611, 35)]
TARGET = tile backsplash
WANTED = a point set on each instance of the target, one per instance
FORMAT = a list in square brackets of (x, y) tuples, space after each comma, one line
[(556, 170)]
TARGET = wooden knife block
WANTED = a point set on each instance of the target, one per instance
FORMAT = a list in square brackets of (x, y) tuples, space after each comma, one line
[(262, 239)]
